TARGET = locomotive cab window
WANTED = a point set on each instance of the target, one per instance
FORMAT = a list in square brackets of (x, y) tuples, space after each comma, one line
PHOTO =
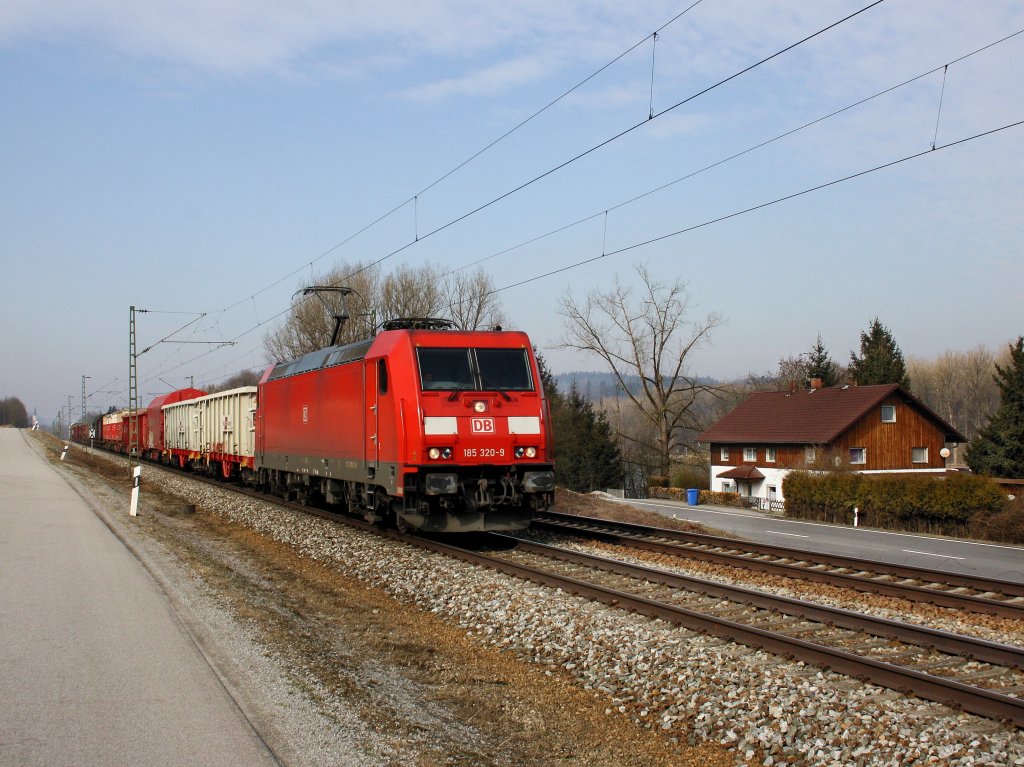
[(504, 369), (382, 376), (444, 369), (474, 369)]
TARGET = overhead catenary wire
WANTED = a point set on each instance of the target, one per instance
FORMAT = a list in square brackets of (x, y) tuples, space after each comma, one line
[(289, 308), (735, 214), (603, 143), (736, 155), (760, 206), (414, 198)]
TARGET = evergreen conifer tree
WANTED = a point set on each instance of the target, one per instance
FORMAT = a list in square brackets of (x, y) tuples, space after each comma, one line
[(587, 455), (880, 360), (821, 365), (998, 449)]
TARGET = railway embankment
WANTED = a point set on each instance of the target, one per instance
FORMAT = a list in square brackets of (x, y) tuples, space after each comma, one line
[(600, 667)]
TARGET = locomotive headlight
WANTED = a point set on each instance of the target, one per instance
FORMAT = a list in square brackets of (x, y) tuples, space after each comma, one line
[(531, 452), (526, 452), (480, 406), (439, 453)]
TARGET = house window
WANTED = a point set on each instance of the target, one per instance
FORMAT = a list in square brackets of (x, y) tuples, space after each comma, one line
[(919, 454), (750, 454), (810, 454), (726, 486), (858, 455), (769, 455), (723, 454), (888, 414)]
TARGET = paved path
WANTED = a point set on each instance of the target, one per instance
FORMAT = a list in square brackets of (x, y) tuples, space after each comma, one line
[(95, 669)]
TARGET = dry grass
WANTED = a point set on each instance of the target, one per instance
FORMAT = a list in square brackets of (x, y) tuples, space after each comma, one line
[(588, 505)]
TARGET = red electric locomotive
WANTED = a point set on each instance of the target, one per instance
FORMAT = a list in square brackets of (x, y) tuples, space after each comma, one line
[(424, 426)]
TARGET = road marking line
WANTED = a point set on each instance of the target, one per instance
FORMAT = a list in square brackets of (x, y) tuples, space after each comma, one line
[(791, 535), (929, 554), (860, 530)]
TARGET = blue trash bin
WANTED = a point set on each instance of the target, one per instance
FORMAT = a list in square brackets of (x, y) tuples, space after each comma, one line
[(691, 496)]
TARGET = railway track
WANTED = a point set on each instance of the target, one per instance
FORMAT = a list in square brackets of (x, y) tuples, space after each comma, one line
[(977, 676), (961, 592), (974, 675)]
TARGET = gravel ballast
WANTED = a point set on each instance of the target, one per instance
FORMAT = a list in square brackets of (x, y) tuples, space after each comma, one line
[(689, 686), (682, 685)]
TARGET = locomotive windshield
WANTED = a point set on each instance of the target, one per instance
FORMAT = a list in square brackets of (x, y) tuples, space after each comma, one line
[(474, 369)]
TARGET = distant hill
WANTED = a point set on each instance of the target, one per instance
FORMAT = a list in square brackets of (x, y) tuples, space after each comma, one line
[(595, 385)]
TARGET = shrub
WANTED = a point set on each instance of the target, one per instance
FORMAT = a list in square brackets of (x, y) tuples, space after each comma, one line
[(944, 504), (720, 499), (1005, 526), (690, 476)]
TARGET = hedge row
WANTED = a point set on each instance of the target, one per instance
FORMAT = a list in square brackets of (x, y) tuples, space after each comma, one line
[(945, 505), (705, 496)]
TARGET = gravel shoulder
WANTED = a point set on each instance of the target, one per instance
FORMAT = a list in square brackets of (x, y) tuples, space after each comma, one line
[(332, 669)]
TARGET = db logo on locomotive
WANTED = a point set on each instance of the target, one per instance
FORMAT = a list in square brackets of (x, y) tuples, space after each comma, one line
[(482, 426)]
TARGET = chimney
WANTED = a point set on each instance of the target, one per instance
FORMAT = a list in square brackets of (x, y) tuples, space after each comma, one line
[(816, 383)]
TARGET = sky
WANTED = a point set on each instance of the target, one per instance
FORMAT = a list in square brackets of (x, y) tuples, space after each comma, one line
[(204, 161)]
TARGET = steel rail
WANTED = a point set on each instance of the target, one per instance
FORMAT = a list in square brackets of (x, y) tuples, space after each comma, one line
[(975, 700), (677, 543), (942, 641)]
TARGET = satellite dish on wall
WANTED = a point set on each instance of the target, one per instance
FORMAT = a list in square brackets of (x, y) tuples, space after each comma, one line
[(944, 452)]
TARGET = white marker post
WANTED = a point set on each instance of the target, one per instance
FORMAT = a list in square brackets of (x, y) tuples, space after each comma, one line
[(64, 454), (856, 515), (135, 491)]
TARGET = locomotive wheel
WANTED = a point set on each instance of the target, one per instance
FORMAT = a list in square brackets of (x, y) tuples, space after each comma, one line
[(401, 525)]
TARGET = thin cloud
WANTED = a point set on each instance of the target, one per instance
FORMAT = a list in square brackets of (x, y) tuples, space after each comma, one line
[(232, 37), (488, 81)]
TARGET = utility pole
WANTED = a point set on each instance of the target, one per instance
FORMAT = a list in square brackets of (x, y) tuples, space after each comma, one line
[(83, 397), (133, 390), (133, 372), (69, 416)]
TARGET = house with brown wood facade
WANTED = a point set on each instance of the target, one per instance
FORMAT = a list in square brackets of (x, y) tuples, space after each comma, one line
[(875, 429)]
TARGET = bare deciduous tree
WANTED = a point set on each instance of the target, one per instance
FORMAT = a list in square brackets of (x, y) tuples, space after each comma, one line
[(471, 302), (410, 291), (958, 386), (647, 338), (309, 324), (239, 379)]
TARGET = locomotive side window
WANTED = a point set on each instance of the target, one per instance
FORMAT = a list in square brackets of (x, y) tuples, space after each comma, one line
[(474, 369), (382, 376), (445, 369), (504, 369)]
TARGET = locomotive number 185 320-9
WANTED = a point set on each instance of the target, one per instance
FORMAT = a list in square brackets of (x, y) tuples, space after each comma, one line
[(484, 452)]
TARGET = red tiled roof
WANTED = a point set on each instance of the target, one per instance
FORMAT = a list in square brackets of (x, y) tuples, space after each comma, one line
[(809, 416), (742, 472)]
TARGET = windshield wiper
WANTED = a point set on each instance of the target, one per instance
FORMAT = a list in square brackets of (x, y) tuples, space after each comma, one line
[(460, 386), (488, 383)]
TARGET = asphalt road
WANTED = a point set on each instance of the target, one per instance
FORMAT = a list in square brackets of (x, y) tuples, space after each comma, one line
[(932, 552), (95, 668)]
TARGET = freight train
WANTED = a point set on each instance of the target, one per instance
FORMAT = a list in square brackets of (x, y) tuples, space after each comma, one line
[(421, 426)]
